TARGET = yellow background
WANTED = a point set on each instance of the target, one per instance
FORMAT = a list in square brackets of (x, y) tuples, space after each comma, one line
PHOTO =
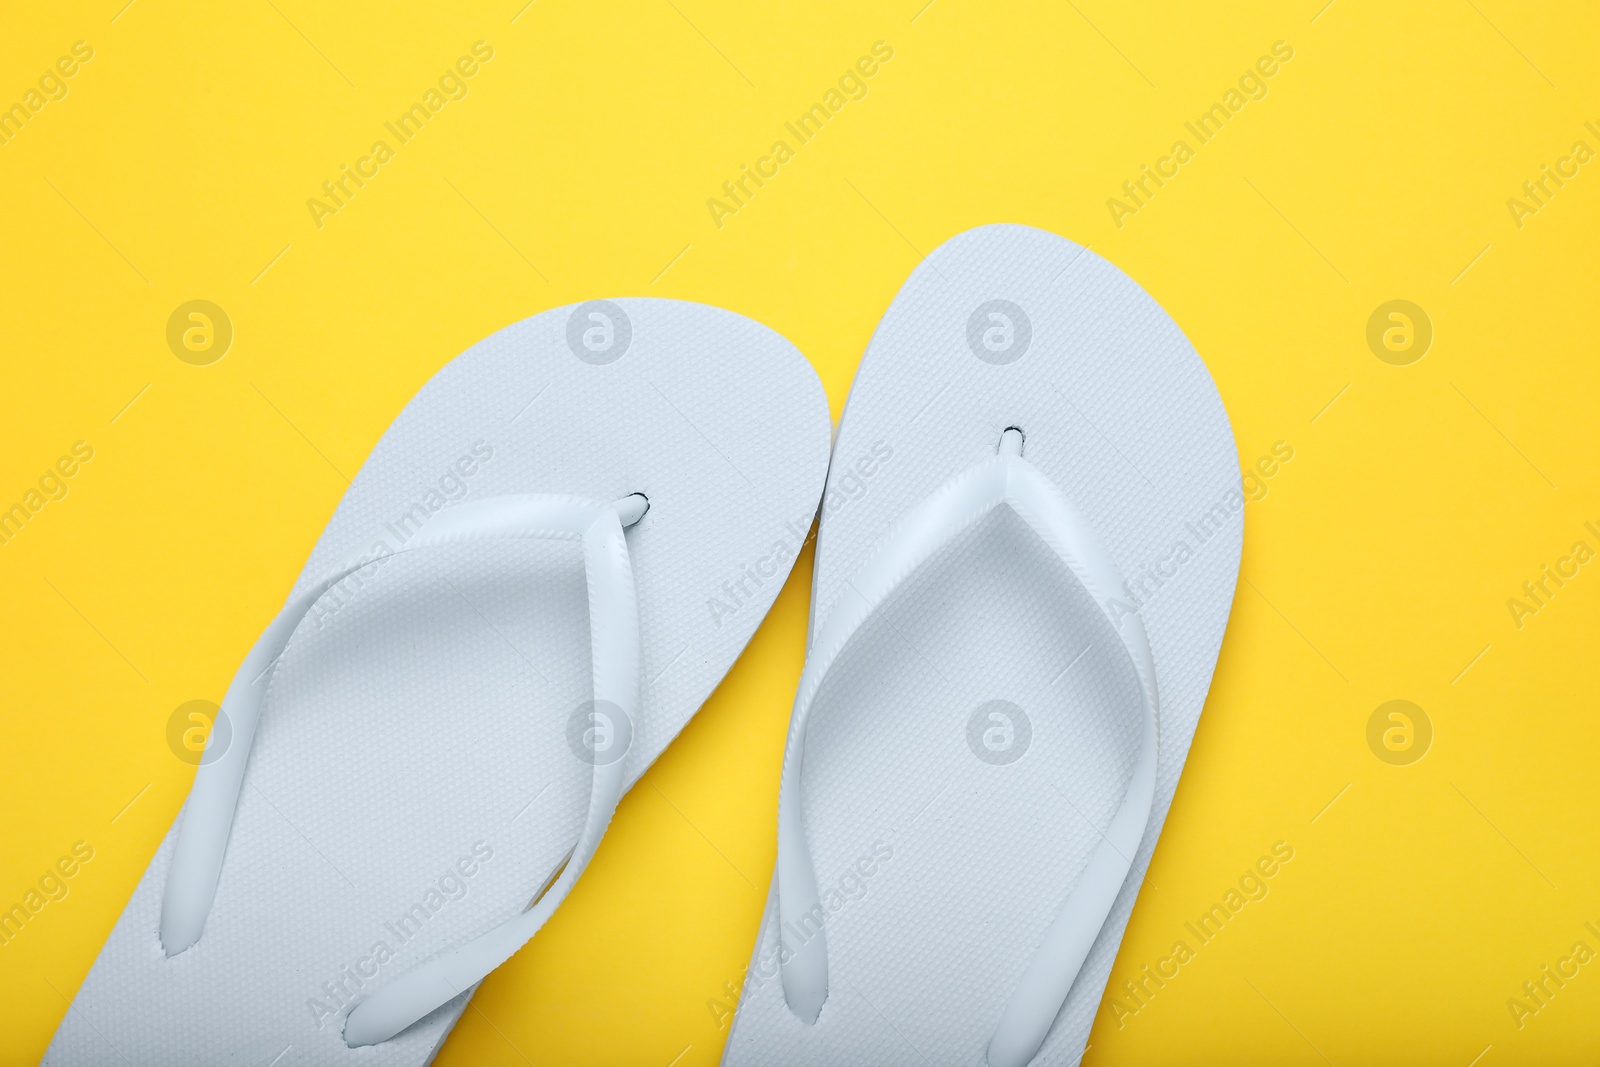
[(1377, 567)]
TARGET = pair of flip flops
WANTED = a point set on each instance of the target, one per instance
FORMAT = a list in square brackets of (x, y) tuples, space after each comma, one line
[(1028, 546)]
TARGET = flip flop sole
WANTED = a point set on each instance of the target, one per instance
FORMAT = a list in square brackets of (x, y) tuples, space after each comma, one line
[(413, 781), (969, 748)]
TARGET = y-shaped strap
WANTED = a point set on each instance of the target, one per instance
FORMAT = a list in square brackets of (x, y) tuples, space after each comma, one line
[(948, 512), (614, 633)]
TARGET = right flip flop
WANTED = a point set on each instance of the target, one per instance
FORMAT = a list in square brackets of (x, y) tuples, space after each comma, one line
[(1027, 555)]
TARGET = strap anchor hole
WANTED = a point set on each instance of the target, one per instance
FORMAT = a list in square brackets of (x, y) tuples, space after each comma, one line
[(632, 508)]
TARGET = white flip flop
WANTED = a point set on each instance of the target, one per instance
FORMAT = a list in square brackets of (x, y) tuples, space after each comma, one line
[(475, 663), (1027, 557)]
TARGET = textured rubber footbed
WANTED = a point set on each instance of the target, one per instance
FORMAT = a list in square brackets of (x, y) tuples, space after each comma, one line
[(972, 744), (412, 783)]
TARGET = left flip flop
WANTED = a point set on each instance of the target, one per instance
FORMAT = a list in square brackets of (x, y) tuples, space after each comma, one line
[(554, 554)]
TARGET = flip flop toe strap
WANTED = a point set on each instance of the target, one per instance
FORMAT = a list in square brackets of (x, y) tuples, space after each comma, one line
[(954, 508), (197, 859)]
